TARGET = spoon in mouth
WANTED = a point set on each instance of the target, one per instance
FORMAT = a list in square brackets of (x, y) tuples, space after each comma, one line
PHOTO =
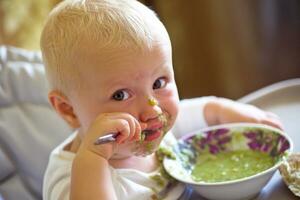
[(111, 137)]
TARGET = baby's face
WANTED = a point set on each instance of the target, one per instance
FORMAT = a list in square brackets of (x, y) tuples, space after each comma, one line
[(123, 82)]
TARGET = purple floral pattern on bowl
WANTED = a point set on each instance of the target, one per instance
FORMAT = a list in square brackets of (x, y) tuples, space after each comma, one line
[(214, 140), (274, 144), (227, 139)]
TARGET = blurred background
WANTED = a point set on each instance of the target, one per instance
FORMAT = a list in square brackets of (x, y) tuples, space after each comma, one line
[(225, 48)]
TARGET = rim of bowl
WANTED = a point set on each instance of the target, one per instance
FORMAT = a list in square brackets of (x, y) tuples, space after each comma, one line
[(232, 125)]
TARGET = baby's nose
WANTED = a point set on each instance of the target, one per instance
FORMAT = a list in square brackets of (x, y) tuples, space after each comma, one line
[(150, 110)]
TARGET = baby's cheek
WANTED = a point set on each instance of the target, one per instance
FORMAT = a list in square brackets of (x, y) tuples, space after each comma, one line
[(170, 101), (172, 109)]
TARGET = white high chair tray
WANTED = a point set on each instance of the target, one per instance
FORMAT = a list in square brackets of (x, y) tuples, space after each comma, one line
[(283, 99)]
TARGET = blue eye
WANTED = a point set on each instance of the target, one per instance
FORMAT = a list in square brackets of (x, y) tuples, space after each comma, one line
[(159, 83), (120, 95)]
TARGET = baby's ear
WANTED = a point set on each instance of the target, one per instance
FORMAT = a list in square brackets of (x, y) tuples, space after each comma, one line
[(64, 108)]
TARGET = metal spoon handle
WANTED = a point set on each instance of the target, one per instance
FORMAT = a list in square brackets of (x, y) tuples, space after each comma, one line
[(110, 137)]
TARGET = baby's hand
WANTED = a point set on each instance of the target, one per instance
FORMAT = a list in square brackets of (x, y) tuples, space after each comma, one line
[(127, 127), (227, 111)]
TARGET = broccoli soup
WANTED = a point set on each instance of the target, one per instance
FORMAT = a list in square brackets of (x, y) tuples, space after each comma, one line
[(232, 165)]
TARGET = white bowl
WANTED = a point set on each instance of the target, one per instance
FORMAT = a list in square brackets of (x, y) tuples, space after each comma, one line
[(250, 136)]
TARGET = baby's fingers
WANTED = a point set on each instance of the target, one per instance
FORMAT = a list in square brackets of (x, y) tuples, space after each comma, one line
[(138, 131), (123, 129), (134, 129), (134, 125), (272, 120)]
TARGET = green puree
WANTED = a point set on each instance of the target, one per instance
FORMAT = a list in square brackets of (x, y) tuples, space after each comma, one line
[(233, 165)]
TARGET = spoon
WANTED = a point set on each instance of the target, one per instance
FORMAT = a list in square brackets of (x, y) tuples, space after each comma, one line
[(111, 137)]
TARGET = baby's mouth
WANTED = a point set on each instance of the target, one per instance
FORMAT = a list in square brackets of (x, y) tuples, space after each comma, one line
[(155, 130), (151, 134)]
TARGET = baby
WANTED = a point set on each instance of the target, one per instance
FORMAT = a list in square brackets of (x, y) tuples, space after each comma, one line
[(109, 67)]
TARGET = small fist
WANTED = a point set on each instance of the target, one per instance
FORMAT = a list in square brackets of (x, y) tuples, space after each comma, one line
[(125, 125)]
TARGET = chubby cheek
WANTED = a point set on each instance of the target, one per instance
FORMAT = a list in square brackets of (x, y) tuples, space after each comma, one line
[(170, 106), (174, 108), (86, 119), (87, 116)]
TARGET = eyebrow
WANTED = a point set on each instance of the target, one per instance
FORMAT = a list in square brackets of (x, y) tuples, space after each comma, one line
[(163, 67)]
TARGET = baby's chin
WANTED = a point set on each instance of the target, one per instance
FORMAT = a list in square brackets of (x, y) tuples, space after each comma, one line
[(143, 152), (138, 148), (146, 148)]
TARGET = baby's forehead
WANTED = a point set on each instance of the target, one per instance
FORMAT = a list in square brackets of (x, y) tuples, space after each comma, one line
[(119, 60), (93, 51)]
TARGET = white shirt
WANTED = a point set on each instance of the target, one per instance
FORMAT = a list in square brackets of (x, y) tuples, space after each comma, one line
[(128, 184)]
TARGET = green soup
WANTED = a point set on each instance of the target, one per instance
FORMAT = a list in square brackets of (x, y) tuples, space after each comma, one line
[(226, 166)]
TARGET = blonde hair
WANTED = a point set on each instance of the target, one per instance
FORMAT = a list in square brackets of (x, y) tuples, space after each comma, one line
[(108, 23)]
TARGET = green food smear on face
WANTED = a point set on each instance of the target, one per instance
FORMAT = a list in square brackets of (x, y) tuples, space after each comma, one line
[(149, 147), (143, 136), (226, 166)]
